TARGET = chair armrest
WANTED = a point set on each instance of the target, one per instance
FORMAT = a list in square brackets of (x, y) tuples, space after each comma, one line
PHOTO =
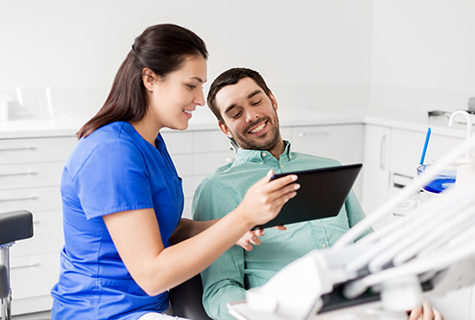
[(185, 299), (15, 225), (4, 285)]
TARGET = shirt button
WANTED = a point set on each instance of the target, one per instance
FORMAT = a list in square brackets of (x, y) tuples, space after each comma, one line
[(261, 162), (264, 154), (324, 245), (282, 166)]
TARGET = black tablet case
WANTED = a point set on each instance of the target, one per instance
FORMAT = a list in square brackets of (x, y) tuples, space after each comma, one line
[(322, 193)]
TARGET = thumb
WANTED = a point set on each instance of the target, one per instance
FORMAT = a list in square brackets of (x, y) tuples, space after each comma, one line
[(266, 179)]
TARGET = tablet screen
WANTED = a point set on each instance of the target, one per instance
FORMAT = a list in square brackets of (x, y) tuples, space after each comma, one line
[(322, 193)]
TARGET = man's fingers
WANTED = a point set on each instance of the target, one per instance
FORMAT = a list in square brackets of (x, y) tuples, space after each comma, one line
[(255, 241)]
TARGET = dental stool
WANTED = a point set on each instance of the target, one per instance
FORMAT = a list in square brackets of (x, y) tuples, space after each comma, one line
[(186, 300), (15, 225)]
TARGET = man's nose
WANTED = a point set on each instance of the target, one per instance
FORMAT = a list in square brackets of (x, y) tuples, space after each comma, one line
[(251, 115)]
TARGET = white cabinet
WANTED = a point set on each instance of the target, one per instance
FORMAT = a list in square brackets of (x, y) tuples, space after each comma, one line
[(391, 156), (196, 154), (376, 167), (30, 171), (340, 142)]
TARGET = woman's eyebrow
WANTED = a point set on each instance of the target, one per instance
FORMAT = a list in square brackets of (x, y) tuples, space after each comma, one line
[(198, 79)]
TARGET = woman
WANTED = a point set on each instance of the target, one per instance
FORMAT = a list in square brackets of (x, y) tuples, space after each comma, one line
[(122, 197)]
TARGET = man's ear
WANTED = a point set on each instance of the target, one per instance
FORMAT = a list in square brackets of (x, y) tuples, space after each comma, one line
[(149, 78), (273, 101), (224, 129)]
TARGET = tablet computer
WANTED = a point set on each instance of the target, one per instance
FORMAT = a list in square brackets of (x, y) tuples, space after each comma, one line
[(322, 193)]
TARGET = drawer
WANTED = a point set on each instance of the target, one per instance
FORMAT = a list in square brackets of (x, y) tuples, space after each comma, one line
[(178, 142), (33, 276), (33, 199), (47, 235), (36, 150), (29, 175), (341, 142), (206, 163), (206, 141)]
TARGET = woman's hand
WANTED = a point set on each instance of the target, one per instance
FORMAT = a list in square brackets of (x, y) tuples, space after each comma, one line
[(265, 198)]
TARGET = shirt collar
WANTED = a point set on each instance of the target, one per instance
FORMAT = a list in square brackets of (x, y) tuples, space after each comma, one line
[(262, 155)]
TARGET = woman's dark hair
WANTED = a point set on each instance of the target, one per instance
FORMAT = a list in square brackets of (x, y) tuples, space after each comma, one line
[(162, 48), (229, 77)]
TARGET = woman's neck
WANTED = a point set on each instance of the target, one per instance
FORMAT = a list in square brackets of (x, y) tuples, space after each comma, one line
[(147, 128)]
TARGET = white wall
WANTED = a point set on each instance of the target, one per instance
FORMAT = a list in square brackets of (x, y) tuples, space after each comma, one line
[(423, 54), (313, 53)]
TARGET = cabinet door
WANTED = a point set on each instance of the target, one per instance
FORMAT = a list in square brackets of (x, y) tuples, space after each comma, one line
[(375, 167), (340, 142)]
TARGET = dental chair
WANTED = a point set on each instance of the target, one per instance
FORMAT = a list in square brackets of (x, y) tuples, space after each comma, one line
[(15, 225), (186, 300)]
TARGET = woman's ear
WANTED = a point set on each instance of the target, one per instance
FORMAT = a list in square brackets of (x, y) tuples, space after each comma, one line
[(149, 78)]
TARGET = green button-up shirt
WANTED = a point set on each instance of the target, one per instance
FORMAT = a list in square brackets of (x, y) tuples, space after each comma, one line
[(237, 270)]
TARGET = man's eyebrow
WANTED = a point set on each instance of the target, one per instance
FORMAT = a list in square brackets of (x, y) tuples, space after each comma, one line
[(253, 93), (229, 108)]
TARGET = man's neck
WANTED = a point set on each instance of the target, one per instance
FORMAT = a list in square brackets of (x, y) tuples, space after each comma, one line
[(278, 149)]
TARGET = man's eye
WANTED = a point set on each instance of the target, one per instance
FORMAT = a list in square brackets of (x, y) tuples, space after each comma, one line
[(236, 115), (256, 102)]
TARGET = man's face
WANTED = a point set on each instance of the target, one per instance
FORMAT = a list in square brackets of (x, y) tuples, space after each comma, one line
[(249, 115)]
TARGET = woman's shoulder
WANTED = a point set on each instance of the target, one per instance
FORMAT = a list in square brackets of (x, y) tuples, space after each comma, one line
[(109, 141)]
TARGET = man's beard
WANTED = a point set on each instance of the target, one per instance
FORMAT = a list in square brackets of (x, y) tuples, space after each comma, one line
[(268, 144)]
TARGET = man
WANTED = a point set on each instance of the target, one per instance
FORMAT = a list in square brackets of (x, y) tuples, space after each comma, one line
[(246, 111)]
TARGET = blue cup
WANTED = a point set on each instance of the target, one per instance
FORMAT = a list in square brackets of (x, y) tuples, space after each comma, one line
[(444, 179)]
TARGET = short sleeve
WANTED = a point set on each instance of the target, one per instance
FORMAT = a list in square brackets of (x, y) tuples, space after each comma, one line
[(113, 179)]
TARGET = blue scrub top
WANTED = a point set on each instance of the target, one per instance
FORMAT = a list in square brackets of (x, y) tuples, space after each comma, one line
[(114, 169)]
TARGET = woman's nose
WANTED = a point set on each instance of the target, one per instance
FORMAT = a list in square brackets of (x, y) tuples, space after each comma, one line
[(200, 98)]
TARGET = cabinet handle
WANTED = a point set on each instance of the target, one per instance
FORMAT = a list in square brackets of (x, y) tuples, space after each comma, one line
[(31, 264), (19, 148), (382, 153), (316, 133), (26, 173), (19, 199), (400, 181)]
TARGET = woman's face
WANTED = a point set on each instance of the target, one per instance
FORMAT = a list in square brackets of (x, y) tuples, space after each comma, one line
[(173, 98)]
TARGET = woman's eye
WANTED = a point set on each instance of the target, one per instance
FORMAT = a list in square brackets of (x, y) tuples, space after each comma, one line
[(191, 86)]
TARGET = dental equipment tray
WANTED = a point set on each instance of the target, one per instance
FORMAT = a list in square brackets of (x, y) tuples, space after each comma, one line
[(322, 193)]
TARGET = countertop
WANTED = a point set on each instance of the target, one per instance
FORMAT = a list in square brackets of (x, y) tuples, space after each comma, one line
[(203, 119)]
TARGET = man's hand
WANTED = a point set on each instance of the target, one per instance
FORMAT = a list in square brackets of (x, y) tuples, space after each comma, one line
[(425, 312), (251, 238)]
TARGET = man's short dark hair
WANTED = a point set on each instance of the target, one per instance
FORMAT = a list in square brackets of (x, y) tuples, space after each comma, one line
[(229, 77)]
